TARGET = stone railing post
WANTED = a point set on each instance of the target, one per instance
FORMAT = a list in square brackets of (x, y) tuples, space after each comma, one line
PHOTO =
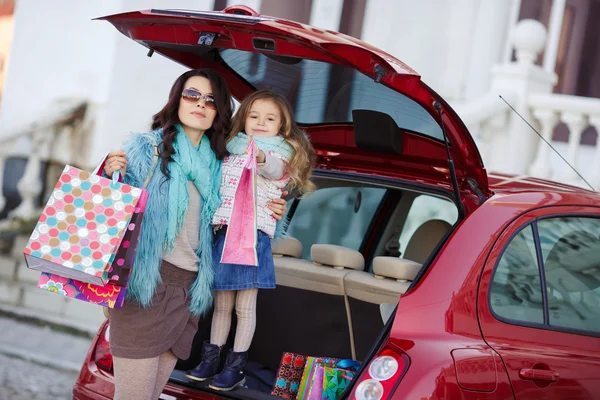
[(522, 78), (541, 166), (30, 185)]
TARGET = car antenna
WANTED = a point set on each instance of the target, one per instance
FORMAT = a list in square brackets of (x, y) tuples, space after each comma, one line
[(556, 151), (459, 204)]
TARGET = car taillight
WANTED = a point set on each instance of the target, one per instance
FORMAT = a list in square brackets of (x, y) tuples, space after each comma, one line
[(382, 375), (102, 357)]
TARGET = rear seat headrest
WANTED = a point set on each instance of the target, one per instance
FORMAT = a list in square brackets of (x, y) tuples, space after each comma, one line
[(395, 268), (337, 256), (287, 246)]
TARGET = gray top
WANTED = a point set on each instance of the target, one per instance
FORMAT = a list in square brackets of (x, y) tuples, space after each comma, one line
[(186, 243)]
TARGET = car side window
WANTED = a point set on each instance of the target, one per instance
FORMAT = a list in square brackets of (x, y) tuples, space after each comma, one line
[(516, 289), (571, 253), (335, 215)]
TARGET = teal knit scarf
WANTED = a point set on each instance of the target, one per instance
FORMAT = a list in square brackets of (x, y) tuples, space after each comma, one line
[(190, 164), (276, 144), (166, 209)]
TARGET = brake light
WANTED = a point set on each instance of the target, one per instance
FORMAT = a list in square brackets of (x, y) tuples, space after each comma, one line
[(102, 356), (382, 375)]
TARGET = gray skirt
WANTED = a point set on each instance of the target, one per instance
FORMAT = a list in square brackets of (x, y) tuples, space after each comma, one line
[(167, 324)]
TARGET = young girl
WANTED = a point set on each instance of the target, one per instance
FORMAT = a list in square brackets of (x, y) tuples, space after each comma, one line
[(284, 157)]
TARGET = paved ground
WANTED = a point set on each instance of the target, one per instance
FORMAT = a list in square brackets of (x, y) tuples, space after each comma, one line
[(25, 380), (37, 362)]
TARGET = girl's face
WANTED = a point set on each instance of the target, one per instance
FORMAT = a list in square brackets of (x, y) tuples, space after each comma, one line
[(197, 107), (264, 118)]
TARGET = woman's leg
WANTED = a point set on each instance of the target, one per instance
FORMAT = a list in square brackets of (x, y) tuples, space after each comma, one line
[(245, 308), (166, 364), (135, 379), (221, 321)]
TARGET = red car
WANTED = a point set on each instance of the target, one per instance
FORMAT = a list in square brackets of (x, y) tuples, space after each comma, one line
[(444, 281)]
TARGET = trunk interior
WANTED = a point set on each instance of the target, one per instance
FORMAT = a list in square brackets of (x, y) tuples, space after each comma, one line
[(326, 311)]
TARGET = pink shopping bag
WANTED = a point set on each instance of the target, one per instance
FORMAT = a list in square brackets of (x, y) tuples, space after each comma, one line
[(241, 237)]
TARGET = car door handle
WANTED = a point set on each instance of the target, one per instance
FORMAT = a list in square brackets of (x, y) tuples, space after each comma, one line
[(535, 374)]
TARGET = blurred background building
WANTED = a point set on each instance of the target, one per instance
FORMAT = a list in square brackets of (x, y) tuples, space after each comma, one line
[(72, 89)]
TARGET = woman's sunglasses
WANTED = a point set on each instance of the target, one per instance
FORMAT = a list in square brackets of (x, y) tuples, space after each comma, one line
[(193, 96)]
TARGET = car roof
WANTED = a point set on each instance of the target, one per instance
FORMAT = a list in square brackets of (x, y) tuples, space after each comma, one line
[(502, 183)]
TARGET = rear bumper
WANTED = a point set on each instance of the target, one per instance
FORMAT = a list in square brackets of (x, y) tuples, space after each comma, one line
[(81, 393)]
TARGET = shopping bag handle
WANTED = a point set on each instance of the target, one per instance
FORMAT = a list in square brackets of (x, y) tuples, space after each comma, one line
[(116, 176)]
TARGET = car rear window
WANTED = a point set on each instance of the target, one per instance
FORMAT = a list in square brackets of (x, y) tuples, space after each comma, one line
[(321, 92)]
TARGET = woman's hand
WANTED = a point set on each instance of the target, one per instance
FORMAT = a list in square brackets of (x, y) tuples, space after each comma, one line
[(278, 206), (116, 160)]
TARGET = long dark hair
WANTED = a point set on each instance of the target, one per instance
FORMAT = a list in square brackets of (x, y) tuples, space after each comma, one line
[(168, 118)]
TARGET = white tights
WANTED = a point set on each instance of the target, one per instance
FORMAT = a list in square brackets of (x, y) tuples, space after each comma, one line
[(245, 309), (142, 379)]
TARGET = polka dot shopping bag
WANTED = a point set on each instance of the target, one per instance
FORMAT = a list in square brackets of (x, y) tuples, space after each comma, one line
[(82, 229)]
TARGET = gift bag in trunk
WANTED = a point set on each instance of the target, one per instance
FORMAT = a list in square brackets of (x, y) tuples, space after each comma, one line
[(335, 381), (82, 227), (308, 380), (289, 375)]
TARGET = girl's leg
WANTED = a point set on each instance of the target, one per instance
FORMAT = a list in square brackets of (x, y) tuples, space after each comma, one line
[(245, 308), (166, 364), (135, 379), (221, 322), (219, 331), (233, 374)]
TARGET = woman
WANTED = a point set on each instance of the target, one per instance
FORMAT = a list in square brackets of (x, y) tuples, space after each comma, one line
[(170, 284)]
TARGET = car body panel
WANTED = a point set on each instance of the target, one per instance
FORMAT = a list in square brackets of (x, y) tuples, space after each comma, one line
[(575, 357)]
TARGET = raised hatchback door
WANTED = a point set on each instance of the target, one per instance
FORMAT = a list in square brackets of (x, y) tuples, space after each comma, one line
[(360, 105)]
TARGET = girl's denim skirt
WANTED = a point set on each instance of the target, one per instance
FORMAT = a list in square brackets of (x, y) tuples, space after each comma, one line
[(239, 277)]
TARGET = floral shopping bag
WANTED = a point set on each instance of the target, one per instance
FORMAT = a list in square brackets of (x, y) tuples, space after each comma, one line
[(82, 227), (109, 295)]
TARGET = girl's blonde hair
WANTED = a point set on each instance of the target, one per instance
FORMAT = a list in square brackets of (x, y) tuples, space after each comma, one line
[(300, 166)]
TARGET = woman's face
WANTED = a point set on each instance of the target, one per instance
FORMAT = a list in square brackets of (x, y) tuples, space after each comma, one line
[(197, 107)]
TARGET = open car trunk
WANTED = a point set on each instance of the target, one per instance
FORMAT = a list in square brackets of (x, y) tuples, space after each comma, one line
[(375, 128), (325, 311)]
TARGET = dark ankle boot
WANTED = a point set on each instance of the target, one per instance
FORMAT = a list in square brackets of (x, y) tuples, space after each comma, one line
[(209, 365), (232, 375)]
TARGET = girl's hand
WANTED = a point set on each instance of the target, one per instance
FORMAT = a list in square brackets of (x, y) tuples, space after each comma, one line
[(115, 161), (278, 206), (260, 156)]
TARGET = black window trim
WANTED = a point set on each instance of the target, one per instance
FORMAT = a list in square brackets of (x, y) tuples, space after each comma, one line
[(545, 326), (542, 271)]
